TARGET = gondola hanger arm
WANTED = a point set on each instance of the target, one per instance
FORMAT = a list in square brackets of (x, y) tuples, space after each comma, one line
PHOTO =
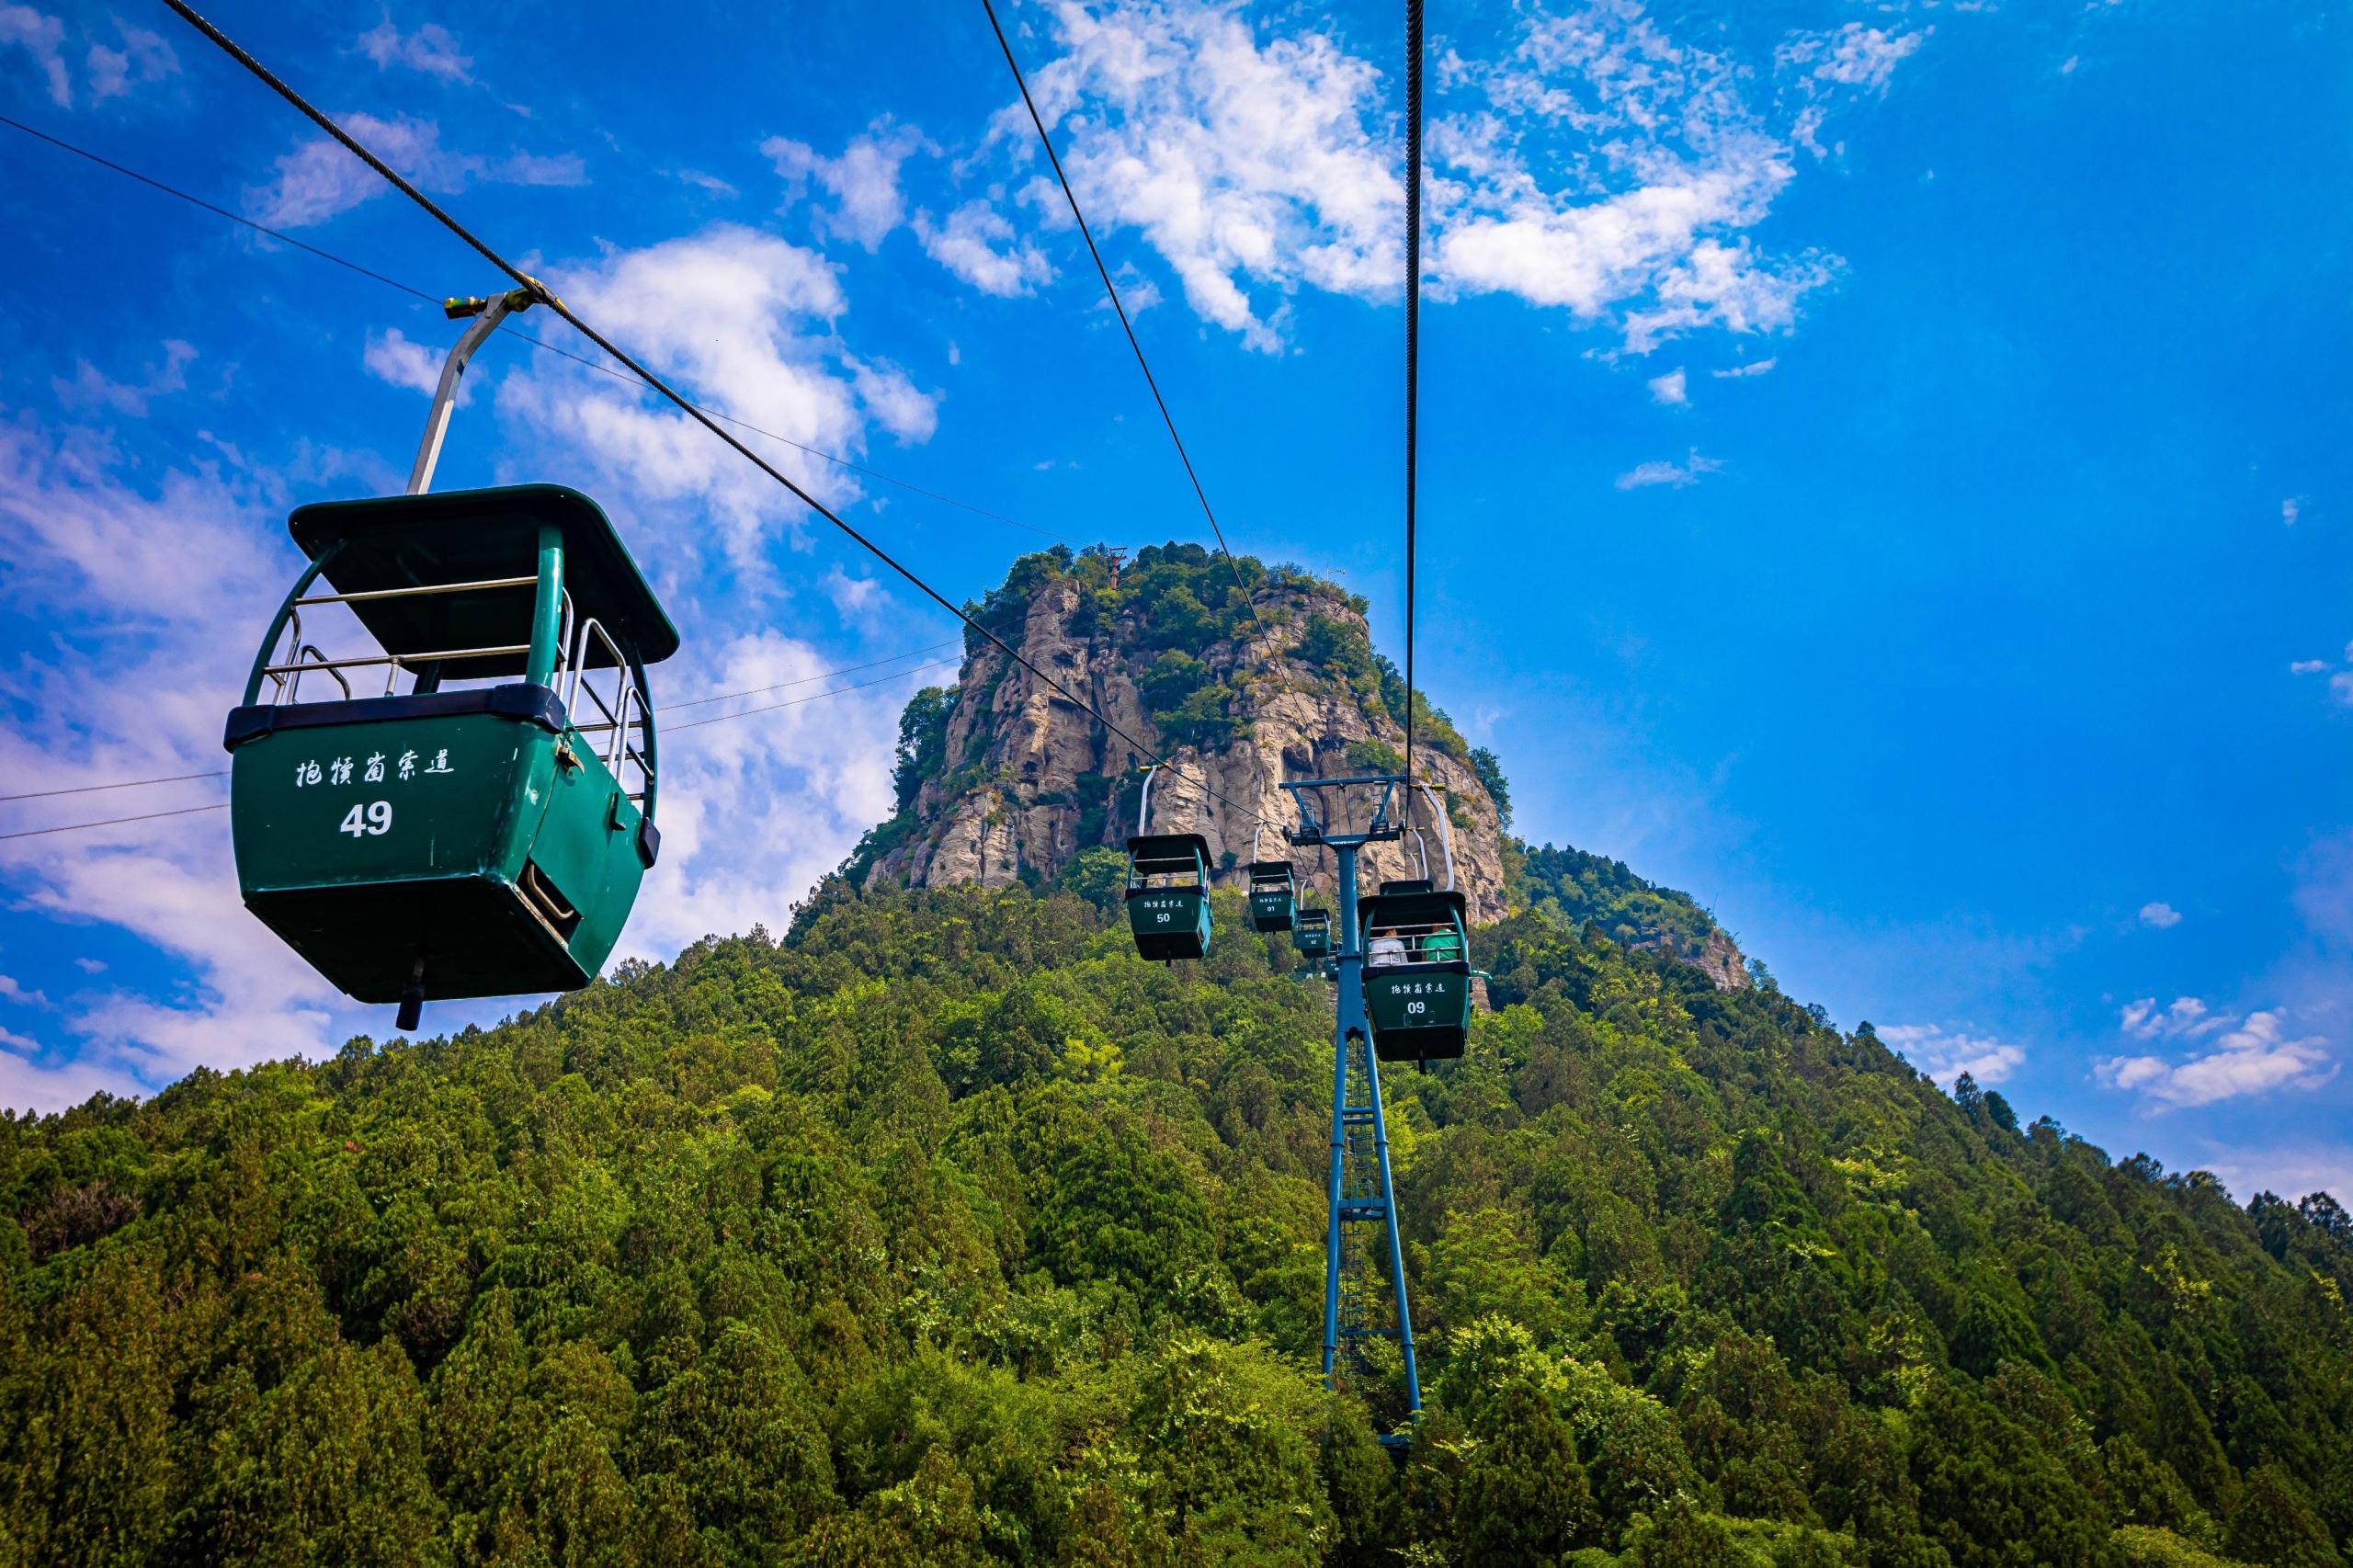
[(486, 315)]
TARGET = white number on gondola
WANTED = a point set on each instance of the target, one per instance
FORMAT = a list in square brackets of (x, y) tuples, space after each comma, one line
[(1418, 1006), (374, 819)]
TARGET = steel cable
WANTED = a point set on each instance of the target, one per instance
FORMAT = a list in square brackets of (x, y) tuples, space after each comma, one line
[(542, 294), (674, 729), (1413, 334), (513, 331), (1249, 600)]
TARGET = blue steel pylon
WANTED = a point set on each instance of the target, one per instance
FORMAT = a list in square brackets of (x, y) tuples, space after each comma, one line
[(1359, 1184)]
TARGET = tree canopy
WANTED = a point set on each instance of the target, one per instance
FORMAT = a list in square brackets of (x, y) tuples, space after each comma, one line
[(945, 1230)]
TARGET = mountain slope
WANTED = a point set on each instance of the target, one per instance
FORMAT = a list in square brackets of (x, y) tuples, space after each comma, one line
[(945, 1230)]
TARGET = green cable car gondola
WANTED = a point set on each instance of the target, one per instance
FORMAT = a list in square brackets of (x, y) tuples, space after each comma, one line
[(1274, 895), (1168, 887), (1312, 933), (476, 839), (1169, 895), (1417, 972)]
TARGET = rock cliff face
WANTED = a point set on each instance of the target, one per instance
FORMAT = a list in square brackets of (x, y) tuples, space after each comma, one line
[(1243, 685), (1027, 779), (1720, 961)]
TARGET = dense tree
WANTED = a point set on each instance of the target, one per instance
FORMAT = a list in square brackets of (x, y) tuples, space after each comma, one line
[(944, 1231)]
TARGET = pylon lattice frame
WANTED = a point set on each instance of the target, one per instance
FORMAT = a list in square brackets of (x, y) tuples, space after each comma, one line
[(1360, 1190)]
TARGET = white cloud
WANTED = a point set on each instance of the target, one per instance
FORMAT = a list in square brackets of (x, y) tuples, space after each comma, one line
[(2162, 917), (895, 402), (143, 58), (1669, 388), (1673, 475), (42, 38), (2323, 893), (391, 357), (1853, 56), (2293, 1172), (703, 182), (532, 168), (92, 388), (963, 245), (2307, 666), (863, 181), (851, 595), (2232, 1055), (2289, 509), (1820, 70), (12, 991), (1643, 226), (1754, 367), (861, 602), (1137, 292), (27, 1084), (747, 322), (754, 810), (74, 534), (2188, 1015), (161, 561), (1248, 167), (1603, 165), (1945, 1057), (2340, 686), (432, 49), (319, 179)]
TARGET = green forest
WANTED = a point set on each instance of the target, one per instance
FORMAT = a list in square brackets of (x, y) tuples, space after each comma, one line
[(945, 1230)]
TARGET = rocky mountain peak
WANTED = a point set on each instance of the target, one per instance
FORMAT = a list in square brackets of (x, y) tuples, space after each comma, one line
[(1244, 677), (1241, 688)]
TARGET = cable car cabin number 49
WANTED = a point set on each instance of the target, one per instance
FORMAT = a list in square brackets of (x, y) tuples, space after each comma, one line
[(478, 824), (521, 629), (375, 817), (368, 819)]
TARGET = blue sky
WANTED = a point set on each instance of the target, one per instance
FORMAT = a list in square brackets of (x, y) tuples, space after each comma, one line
[(1884, 466)]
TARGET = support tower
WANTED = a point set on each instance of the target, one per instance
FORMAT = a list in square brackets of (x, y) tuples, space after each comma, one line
[(1359, 1187)]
